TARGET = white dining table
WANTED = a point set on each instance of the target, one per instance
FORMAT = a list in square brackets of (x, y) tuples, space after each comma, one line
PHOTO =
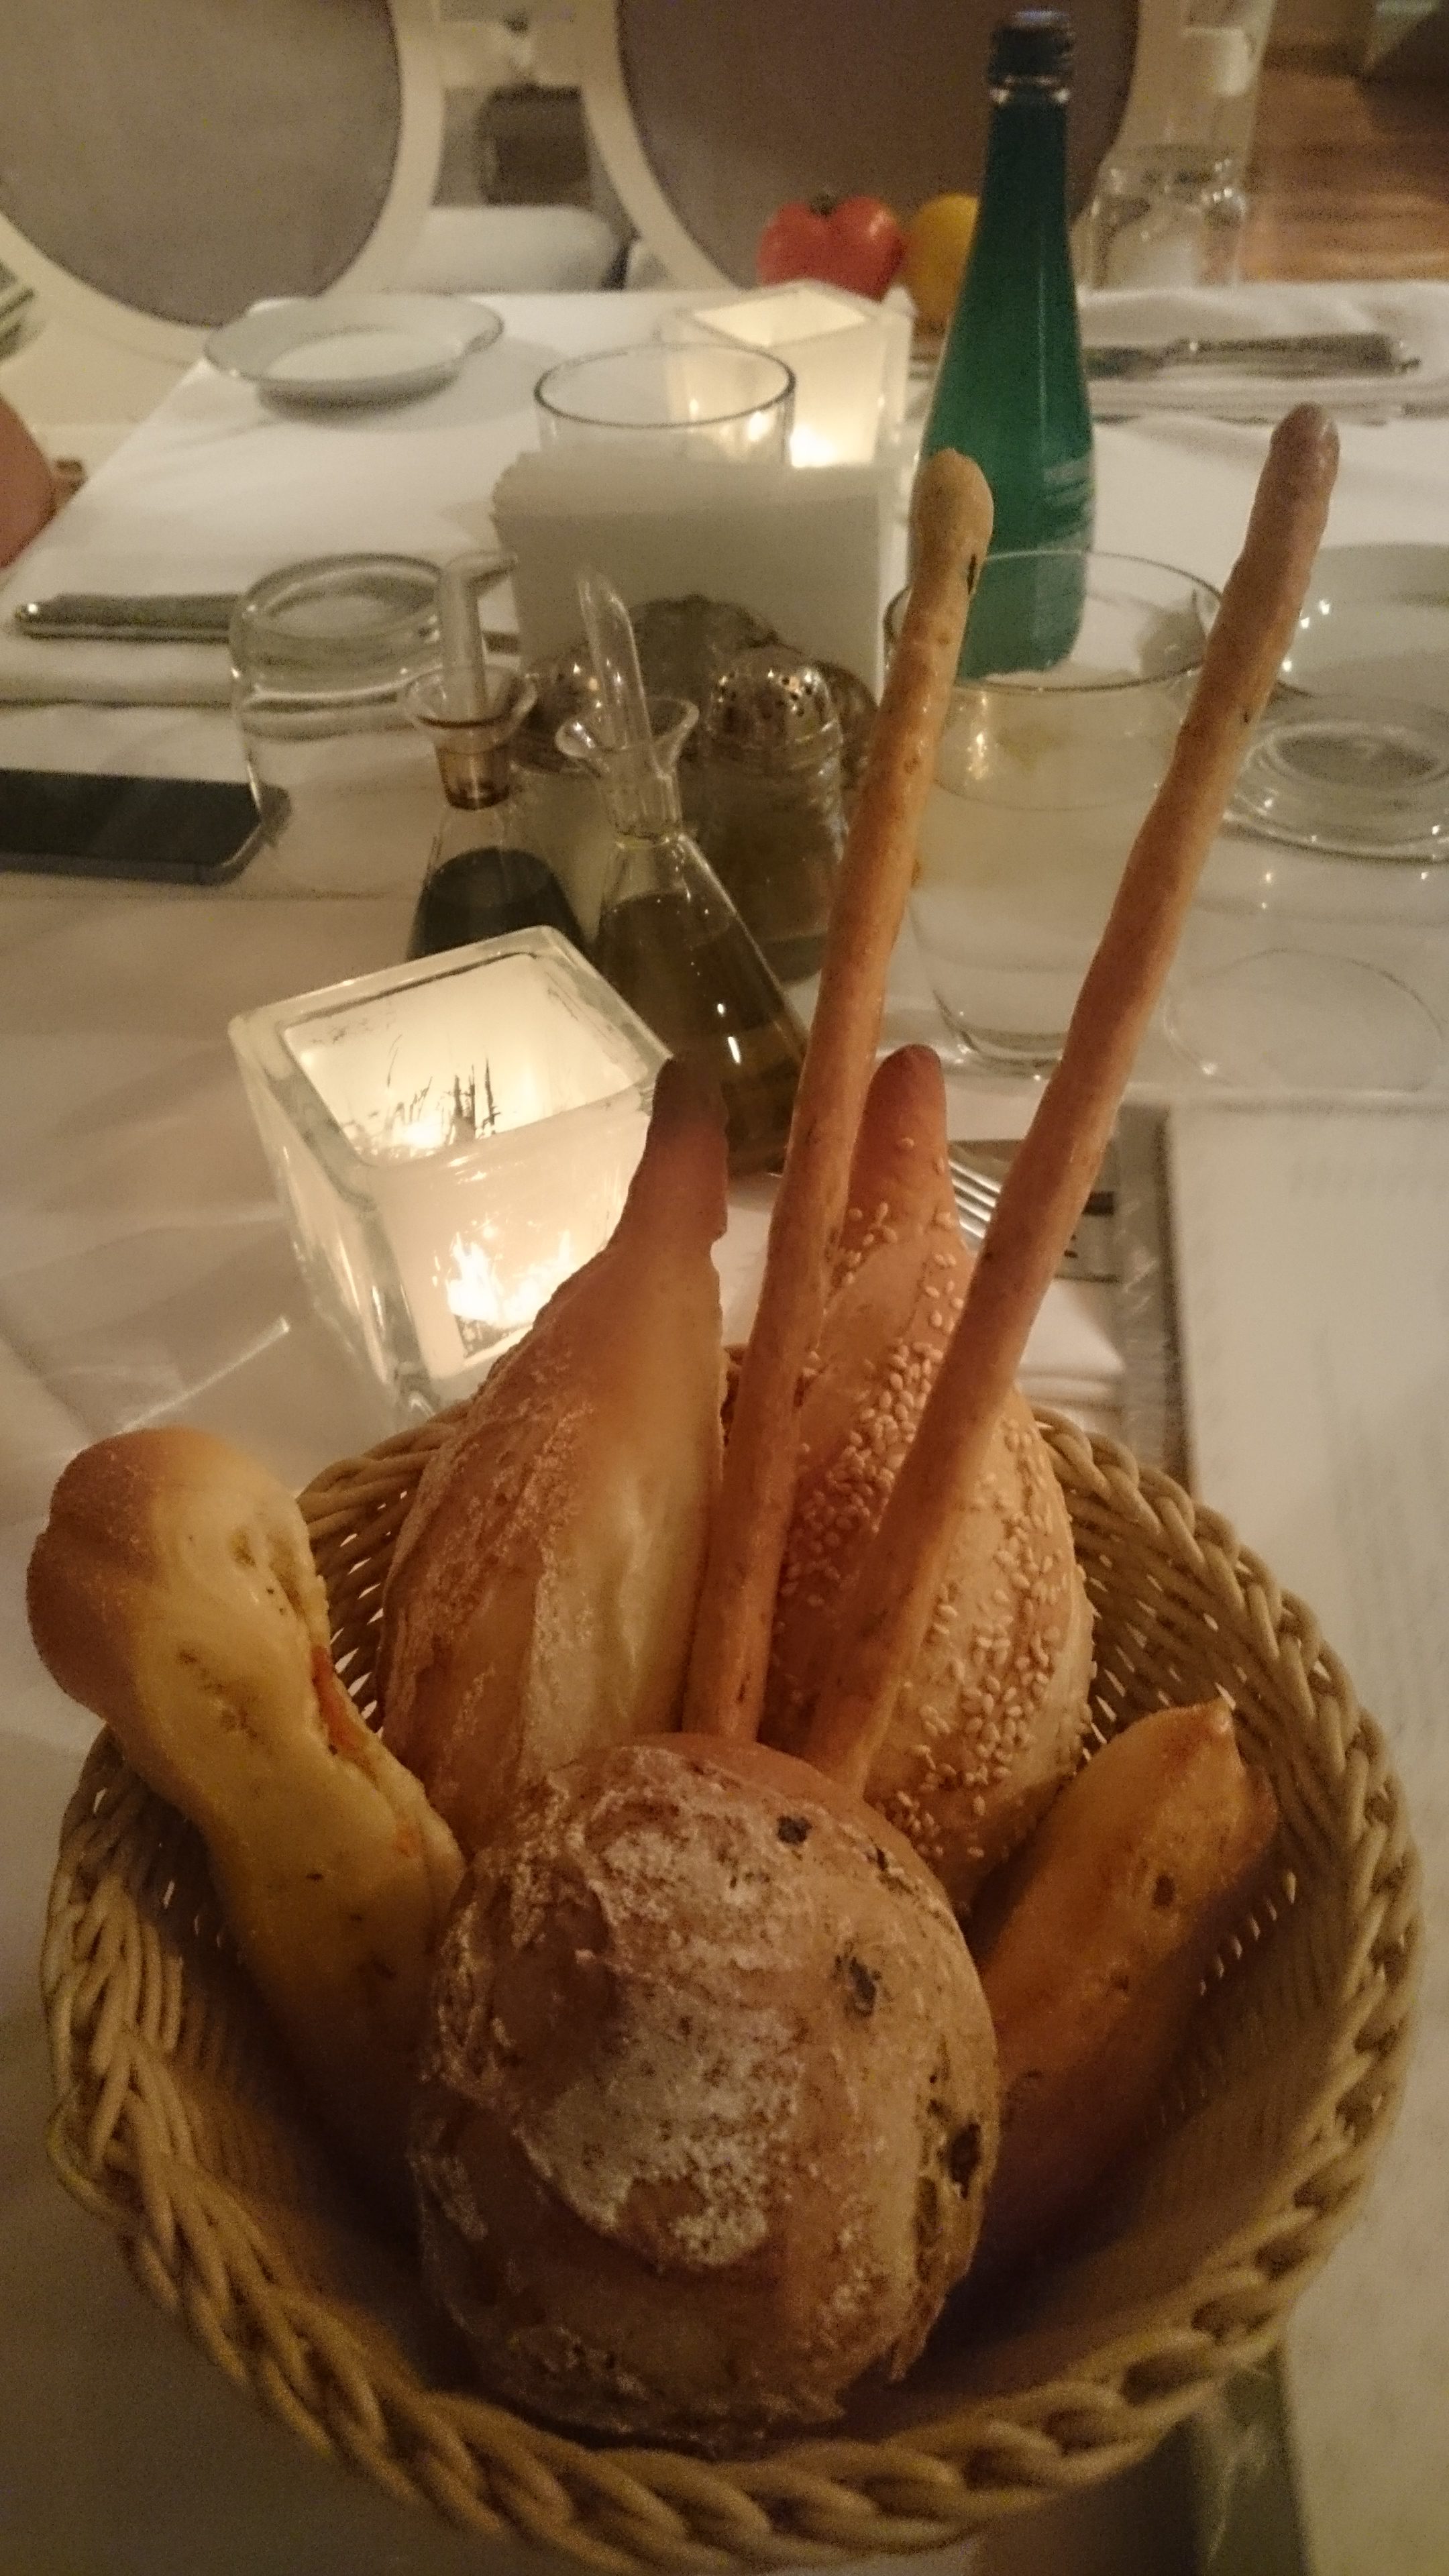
[(146, 1276)]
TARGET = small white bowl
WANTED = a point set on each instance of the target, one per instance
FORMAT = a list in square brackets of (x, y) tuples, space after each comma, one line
[(341, 351)]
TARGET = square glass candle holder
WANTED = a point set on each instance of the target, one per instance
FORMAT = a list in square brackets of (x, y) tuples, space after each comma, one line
[(451, 1139), (850, 357)]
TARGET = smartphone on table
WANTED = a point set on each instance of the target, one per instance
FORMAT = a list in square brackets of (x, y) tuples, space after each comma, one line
[(168, 831)]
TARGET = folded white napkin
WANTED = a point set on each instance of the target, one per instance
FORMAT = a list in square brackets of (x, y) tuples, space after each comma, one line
[(805, 550), (1072, 1362), (1416, 312), (38, 1436), (34, 668)]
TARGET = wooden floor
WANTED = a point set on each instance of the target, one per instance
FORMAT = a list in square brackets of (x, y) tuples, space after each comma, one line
[(1348, 178)]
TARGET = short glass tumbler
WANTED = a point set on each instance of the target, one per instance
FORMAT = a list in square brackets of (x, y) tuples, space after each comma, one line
[(321, 655), (701, 399), (451, 1140), (1044, 772)]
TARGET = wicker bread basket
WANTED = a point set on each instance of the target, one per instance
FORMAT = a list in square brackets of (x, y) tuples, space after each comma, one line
[(178, 2124)]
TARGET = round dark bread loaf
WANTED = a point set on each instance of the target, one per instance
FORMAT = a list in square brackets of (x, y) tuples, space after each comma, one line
[(708, 2099)]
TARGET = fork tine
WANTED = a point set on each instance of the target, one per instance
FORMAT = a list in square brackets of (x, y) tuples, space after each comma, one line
[(975, 1192), (974, 1206)]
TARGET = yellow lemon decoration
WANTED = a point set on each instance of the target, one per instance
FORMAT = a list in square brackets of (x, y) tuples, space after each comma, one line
[(938, 238)]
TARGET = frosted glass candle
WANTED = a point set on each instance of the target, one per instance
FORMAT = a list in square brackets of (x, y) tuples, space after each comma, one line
[(450, 1139), (847, 354)]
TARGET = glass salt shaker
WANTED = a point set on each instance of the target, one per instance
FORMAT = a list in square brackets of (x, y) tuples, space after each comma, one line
[(773, 823)]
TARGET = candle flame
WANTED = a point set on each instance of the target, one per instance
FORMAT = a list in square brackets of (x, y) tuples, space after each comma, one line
[(487, 1299)]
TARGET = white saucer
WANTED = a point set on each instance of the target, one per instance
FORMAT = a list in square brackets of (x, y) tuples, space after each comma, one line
[(1375, 624), (346, 350)]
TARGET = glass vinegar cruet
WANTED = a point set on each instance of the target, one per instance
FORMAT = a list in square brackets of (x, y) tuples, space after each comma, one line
[(484, 876), (669, 939)]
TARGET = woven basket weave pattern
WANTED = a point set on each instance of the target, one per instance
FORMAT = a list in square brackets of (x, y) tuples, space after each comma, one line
[(179, 2126)]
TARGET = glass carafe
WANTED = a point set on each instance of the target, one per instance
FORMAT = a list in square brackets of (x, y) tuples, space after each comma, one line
[(484, 877), (671, 942)]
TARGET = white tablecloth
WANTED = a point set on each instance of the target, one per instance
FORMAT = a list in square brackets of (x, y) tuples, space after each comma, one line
[(145, 1274)]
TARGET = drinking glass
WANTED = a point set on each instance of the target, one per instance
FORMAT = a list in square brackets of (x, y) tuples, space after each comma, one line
[(1048, 762), (701, 399), (1167, 215), (321, 655), (1323, 903)]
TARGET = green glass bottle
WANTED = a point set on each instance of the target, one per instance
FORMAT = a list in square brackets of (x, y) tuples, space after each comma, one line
[(1012, 391)]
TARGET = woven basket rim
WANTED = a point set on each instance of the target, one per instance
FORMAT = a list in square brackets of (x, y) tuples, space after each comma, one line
[(119, 2146)]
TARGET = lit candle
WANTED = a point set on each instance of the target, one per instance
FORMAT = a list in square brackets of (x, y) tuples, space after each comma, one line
[(451, 1140), (849, 357)]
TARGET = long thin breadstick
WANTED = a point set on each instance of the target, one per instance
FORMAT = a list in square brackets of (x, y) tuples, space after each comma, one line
[(1046, 1188), (952, 530)]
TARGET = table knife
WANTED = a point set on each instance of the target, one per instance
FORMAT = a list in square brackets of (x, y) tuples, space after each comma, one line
[(84, 616), (1293, 353), (155, 617)]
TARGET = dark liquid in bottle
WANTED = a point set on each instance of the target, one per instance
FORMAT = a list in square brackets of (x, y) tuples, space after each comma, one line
[(479, 894), (714, 1002)]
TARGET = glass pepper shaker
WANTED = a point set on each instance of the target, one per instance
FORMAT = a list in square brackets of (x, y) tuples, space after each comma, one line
[(773, 822)]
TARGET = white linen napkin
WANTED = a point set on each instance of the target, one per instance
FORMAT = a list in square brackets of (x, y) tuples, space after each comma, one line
[(804, 549), (38, 1436), (1415, 311), (44, 668), (1072, 1362)]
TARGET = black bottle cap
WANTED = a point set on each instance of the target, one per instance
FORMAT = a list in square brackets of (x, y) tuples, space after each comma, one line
[(1032, 44)]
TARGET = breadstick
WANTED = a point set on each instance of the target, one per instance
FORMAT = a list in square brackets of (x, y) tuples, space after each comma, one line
[(1046, 1188), (952, 529), (174, 1593)]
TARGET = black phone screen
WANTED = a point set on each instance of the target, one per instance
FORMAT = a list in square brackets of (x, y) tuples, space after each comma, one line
[(177, 831)]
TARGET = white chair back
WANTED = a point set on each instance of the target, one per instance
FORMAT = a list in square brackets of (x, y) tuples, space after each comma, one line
[(166, 163), (709, 116)]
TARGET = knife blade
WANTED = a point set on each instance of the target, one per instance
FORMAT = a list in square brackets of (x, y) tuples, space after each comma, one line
[(155, 617), (1292, 353), (85, 616)]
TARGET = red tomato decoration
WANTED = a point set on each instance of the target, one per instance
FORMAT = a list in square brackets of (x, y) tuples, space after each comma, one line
[(853, 242)]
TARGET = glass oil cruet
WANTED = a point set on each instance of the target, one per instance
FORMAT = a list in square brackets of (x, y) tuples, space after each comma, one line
[(483, 877), (669, 939)]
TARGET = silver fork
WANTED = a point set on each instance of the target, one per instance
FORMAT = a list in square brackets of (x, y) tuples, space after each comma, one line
[(979, 1165)]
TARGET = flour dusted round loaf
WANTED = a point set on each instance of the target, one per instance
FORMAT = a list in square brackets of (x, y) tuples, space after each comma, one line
[(708, 2101)]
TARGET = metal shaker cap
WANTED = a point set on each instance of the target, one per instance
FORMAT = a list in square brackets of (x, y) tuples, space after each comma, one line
[(564, 687), (771, 705)]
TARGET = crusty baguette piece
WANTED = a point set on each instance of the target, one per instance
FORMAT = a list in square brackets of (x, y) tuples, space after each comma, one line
[(541, 1597), (993, 1721), (708, 2103), (951, 527), (1111, 1917), (173, 1592), (1046, 1188), (900, 1183)]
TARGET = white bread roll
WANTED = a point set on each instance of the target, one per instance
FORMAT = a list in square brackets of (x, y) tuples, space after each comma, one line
[(708, 2105), (174, 1593), (541, 1598), (992, 1719)]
